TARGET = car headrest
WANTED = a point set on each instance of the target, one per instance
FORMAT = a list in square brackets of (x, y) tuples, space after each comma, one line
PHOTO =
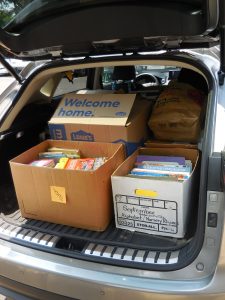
[(123, 73), (193, 78)]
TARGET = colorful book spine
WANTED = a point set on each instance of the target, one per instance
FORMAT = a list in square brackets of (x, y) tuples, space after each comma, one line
[(99, 161), (43, 163), (57, 155), (174, 159), (62, 163), (159, 172), (85, 164), (160, 176), (72, 163), (75, 153), (165, 168)]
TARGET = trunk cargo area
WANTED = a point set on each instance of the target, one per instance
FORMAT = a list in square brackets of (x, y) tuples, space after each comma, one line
[(113, 246)]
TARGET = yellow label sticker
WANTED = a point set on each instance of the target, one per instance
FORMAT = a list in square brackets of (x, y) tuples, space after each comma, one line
[(146, 193), (58, 194)]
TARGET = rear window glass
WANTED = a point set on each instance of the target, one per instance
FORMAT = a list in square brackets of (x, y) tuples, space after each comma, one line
[(9, 9), (23, 11), (72, 82), (17, 12), (160, 74)]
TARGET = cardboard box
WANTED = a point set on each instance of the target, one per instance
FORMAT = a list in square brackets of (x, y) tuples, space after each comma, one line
[(154, 206), (78, 198), (114, 118), (162, 144)]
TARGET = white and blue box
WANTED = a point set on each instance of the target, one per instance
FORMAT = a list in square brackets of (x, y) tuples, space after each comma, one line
[(155, 206), (114, 118)]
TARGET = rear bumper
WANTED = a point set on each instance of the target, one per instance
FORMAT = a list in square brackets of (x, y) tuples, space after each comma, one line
[(17, 291), (39, 275)]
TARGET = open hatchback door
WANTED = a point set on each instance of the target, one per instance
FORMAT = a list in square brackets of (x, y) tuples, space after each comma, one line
[(64, 28), (88, 39)]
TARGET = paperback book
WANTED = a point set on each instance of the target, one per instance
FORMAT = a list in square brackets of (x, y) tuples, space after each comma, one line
[(163, 167)]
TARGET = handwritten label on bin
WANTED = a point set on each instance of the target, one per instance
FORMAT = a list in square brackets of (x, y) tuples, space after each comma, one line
[(146, 214), (58, 194)]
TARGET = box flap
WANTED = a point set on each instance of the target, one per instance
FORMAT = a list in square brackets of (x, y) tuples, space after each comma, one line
[(163, 144), (98, 109)]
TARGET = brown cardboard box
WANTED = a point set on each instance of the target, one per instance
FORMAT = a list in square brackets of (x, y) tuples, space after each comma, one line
[(101, 118), (162, 144), (78, 198), (154, 206)]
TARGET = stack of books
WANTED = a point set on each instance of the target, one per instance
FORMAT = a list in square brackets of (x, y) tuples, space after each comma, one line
[(43, 163), (70, 159), (57, 153), (162, 167)]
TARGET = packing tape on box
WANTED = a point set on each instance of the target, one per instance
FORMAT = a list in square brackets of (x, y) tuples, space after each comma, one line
[(146, 193)]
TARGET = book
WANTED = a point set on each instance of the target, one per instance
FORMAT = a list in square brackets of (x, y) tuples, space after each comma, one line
[(172, 159), (43, 163), (158, 163), (73, 153), (62, 163), (180, 168), (57, 155), (159, 173), (51, 155), (99, 161), (167, 178), (85, 164), (71, 164)]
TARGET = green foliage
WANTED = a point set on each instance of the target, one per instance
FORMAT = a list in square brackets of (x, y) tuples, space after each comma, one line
[(5, 17), (18, 4), (8, 9)]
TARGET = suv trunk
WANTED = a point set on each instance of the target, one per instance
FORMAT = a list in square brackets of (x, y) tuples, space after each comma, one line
[(113, 246)]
